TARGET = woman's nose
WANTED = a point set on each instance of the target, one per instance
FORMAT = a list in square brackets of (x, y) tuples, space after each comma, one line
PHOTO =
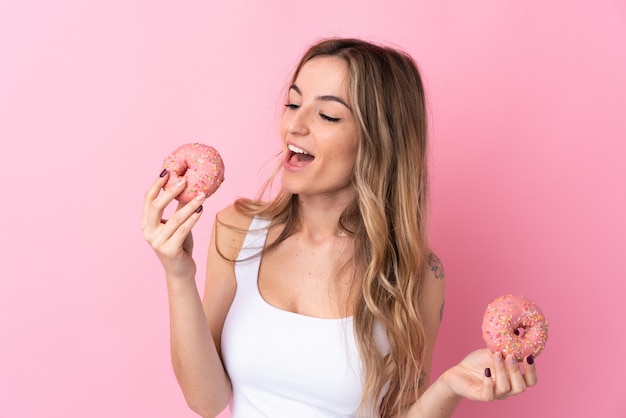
[(298, 122)]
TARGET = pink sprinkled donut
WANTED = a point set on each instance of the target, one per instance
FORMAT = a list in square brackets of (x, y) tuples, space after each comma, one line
[(202, 167), (515, 325)]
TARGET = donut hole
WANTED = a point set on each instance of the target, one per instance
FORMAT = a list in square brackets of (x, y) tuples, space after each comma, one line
[(520, 331)]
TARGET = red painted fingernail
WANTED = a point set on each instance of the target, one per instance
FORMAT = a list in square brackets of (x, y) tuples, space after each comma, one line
[(487, 372), (163, 173), (530, 359), (199, 209)]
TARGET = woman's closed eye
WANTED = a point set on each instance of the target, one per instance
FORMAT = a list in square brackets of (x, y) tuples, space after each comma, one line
[(294, 106), (329, 118)]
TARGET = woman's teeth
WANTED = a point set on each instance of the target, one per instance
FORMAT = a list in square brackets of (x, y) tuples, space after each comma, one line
[(295, 149)]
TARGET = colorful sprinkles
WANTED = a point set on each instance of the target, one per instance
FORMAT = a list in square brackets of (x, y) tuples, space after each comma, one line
[(514, 324), (200, 164)]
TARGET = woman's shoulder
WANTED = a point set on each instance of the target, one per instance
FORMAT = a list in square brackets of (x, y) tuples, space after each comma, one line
[(240, 213), (233, 217), (230, 229), (233, 223)]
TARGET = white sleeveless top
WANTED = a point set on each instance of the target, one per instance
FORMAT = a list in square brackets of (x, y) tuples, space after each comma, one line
[(282, 364)]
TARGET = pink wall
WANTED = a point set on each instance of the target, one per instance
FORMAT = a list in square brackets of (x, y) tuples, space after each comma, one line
[(529, 169)]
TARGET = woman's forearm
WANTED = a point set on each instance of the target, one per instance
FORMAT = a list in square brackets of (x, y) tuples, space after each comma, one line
[(438, 401), (195, 359)]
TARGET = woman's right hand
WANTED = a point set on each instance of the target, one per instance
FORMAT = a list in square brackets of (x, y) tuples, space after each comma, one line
[(171, 239), (485, 376)]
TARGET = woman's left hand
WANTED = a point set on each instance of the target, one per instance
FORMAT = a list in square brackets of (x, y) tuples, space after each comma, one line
[(484, 376)]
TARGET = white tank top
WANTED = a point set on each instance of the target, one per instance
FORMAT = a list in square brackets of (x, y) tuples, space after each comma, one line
[(282, 364)]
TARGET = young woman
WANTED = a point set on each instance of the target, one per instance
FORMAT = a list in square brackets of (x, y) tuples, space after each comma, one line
[(325, 301)]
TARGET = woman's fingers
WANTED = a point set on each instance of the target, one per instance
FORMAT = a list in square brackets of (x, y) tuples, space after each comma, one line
[(152, 194), (488, 384), (486, 376), (156, 200), (171, 239), (509, 378), (530, 371), (177, 228), (173, 231), (518, 384), (500, 376)]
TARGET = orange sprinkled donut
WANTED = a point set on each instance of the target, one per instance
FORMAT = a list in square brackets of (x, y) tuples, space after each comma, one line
[(202, 167), (515, 325)]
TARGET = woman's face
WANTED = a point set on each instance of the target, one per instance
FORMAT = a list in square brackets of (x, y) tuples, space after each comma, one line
[(319, 132)]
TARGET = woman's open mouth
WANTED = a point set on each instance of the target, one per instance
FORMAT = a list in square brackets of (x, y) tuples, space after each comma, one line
[(298, 157)]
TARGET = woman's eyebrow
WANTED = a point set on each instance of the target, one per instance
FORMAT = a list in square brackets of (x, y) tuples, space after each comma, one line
[(296, 89), (324, 98), (331, 98)]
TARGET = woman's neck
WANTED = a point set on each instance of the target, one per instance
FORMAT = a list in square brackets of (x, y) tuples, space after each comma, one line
[(319, 217)]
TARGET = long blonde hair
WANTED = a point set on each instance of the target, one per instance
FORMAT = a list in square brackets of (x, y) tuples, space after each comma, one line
[(387, 220)]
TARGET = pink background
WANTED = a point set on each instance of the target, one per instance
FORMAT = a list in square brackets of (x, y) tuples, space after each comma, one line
[(528, 173)]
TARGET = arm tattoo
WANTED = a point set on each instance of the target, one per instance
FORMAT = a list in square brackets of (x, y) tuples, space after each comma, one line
[(436, 266)]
